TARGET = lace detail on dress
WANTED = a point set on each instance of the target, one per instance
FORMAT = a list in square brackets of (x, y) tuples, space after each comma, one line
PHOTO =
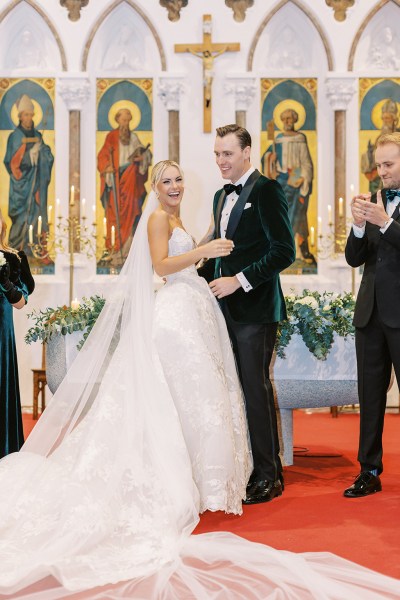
[(196, 356)]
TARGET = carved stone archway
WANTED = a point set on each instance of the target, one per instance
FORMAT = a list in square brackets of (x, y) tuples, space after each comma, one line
[(267, 19), (371, 14), (106, 13), (50, 25)]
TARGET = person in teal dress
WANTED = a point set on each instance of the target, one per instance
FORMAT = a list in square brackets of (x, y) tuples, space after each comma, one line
[(16, 283)]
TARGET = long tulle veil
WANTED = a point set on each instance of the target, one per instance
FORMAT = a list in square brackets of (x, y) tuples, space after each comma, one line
[(100, 503)]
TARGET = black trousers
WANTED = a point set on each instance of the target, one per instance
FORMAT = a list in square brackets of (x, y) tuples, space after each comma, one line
[(253, 345), (377, 348)]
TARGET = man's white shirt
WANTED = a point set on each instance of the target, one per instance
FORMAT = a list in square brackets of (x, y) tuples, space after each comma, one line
[(230, 202)]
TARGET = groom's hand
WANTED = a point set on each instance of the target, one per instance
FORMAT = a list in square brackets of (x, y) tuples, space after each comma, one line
[(224, 286)]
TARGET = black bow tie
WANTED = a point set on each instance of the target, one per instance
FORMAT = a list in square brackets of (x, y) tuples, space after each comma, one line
[(391, 194), (229, 188)]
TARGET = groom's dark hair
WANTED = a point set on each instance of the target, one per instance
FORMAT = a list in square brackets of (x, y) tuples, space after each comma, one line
[(241, 133)]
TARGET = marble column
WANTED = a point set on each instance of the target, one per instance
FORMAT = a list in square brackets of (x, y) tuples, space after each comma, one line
[(75, 91), (170, 90), (339, 91), (243, 88)]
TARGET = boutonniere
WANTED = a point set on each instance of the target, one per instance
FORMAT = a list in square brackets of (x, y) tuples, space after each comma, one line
[(2, 259)]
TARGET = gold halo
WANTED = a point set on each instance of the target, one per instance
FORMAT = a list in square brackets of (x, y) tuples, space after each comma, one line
[(376, 113), (37, 117), (294, 105), (133, 109)]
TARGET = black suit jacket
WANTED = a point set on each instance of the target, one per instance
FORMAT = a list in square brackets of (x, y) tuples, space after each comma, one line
[(260, 229), (380, 254)]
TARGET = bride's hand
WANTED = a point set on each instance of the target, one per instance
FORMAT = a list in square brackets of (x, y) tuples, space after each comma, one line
[(217, 248)]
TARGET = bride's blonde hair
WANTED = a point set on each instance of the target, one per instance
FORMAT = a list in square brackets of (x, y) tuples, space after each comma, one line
[(158, 171), (3, 231)]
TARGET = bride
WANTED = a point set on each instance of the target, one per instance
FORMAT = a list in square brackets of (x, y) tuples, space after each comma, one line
[(100, 502), (193, 345)]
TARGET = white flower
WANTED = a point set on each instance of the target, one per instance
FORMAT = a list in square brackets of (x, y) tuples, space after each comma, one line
[(2, 259), (291, 297), (309, 301), (326, 308)]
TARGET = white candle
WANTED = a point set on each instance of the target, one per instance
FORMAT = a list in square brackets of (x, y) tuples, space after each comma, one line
[(329, 214), (94, 213), (312, 236), (72, 196), (351, 189), (31, 234), (340, 207), (75, 304), (39, 226), (57, 207), (113, 236), (49, 213), (83, 208), (105, 226), (319, 231)]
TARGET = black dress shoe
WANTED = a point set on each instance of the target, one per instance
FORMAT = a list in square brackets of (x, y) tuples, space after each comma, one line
[(365, 484), (253, 480), (263, 491)]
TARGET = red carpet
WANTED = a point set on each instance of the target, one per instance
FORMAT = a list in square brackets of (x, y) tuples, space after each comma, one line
[(312, 514)]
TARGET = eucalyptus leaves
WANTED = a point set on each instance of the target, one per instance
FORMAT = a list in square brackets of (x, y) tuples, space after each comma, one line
[(65, 319), (316, 317)]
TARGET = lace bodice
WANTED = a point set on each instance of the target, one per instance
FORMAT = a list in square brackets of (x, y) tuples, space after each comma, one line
[(179, 243)]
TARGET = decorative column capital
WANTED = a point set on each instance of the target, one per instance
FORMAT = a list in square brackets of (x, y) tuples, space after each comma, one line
[(74, 8), (170, 90), (243, 88), (339, 91), (75, 91)]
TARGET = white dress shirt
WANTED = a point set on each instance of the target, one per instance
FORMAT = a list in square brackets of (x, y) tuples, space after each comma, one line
[(390, 208), (230, 202)]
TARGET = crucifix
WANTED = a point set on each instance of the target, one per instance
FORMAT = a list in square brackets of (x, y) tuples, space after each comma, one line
[(207, 51)]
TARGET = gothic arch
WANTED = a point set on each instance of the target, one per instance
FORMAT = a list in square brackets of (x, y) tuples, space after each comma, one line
[(267, 19), (371, 14), (45, 18), (106, 13)]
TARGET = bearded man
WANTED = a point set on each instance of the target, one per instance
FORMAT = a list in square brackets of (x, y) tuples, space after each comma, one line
[(29, 162), (123, 163)]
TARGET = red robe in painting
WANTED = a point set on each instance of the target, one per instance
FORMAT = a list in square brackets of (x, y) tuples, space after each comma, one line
[(129, 185)]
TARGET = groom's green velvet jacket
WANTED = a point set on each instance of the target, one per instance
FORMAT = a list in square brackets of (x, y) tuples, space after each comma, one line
[(264, 246)]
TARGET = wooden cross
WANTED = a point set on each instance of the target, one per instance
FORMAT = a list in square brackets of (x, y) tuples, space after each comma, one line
[(207, 51)]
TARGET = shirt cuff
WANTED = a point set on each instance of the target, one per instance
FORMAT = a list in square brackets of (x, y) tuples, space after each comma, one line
[(388, 224), (358, 231), (243, 282)]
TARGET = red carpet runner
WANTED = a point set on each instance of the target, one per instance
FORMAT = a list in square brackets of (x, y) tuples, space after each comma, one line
[(312, 514)]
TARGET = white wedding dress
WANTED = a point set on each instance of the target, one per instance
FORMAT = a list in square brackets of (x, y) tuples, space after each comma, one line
[(100, 503), (195, 352)]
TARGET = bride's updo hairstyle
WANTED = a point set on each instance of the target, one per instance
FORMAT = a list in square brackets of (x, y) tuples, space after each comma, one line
[(158, 171)]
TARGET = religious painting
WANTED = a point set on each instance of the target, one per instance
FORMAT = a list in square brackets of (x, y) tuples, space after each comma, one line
[(124, 154), (379, 113), (289, 155), (27, 167)]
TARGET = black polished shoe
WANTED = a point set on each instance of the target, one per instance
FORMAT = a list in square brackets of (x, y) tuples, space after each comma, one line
[(263, 491), (253, 481), (365, 484)]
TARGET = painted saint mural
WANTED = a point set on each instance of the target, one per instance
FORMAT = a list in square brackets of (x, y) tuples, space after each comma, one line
[(26, 171), (124, 155), (379, 113), (288, 154)]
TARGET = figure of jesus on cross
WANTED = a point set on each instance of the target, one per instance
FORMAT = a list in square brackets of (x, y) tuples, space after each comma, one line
[(207, 51)]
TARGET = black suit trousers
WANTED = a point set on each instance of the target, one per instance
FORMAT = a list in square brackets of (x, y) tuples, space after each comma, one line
[(377, 348), (253, 345)]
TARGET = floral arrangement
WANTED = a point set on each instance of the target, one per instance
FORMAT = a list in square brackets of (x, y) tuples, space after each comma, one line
[(65, 319), (2, 259), (316, 317)]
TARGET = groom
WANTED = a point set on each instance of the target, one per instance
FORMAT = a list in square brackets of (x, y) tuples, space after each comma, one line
[(253, 212)]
